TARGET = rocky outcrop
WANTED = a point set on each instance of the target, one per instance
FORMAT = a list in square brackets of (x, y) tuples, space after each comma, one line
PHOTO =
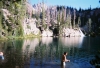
[(29, 26), (47, 33), (72, 32)]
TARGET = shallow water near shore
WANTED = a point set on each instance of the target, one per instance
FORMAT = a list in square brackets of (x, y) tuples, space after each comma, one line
[(46, 52)]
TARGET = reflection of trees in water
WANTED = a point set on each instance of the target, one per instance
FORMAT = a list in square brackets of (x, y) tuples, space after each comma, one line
[(50, 52), (46, 40), (72, 41), (19, 53), (29, 45), (42, 50), (12, 53), (48, 49)]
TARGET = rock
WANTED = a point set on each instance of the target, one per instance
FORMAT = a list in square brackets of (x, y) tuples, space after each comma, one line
[(47, 33), (72, 32), (29, 26)]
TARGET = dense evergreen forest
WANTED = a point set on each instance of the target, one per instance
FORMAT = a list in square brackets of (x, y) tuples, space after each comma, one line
[(67, 17), (55, 18)]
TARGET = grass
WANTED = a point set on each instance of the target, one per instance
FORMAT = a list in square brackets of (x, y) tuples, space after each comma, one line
[(20, 37)]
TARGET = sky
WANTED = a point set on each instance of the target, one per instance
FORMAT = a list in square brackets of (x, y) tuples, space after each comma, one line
[(84, 4)]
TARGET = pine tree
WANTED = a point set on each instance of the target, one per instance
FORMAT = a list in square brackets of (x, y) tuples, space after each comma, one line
[(69, 20), (58, 16), (74, 19), (89, 24), (43, 17), (48, 18), (79, 22), (62, 20)]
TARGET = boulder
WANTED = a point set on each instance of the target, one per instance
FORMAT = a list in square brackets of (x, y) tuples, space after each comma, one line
[(29, 27), (47, 33), (72, 32)]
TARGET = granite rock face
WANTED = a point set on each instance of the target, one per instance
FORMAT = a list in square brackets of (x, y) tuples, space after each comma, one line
[(72, 32), (47, 33), (29, 26)]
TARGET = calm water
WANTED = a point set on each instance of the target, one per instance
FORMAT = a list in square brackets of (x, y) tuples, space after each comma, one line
[(46, 52)]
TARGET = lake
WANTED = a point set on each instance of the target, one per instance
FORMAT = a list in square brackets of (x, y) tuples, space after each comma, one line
[(46, 52)]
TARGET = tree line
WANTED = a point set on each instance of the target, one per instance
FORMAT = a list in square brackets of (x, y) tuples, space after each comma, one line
[(12, 26)]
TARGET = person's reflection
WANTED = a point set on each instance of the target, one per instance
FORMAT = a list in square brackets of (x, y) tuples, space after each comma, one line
[(1, 56), (63, 60)]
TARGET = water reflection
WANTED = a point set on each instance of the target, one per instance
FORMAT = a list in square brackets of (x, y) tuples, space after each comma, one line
[(47, 40), (52, 43), (29, 45), (72, 41), (46, 52)]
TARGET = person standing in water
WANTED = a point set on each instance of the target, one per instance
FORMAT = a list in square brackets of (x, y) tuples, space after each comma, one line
[(63, 60), (1, 56)]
